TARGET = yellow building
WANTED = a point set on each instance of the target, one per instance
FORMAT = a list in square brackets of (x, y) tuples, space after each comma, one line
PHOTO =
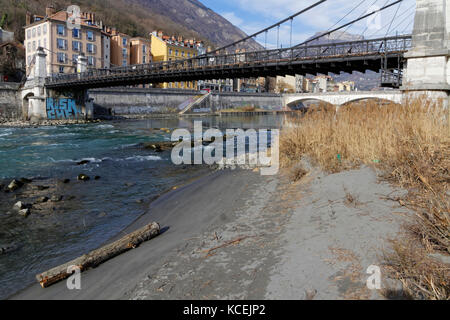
[(62, 44), (165, 48)]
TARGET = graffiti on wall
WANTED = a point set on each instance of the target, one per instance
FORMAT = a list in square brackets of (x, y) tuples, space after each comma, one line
[(62, 108)]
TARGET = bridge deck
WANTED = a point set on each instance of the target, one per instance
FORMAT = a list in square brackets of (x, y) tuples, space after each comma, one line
[(336, 57)]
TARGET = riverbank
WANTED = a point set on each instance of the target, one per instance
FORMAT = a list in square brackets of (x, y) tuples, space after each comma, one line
[(235, 234), (33, 124)]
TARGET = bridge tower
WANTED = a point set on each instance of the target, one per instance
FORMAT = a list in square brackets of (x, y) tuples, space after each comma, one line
[(428, 63), (40, 103)]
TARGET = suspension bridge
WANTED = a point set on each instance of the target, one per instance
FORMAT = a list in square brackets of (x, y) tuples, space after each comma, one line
[(414, 62)]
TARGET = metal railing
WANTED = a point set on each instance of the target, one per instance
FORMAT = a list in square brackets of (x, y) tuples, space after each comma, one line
[(343, 50)]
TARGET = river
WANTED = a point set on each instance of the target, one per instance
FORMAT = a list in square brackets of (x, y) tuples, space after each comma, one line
[(91, 212)]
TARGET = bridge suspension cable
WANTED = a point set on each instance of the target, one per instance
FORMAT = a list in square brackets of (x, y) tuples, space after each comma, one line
[(400, 23), (393, 18), (348, 24), (276, 25)]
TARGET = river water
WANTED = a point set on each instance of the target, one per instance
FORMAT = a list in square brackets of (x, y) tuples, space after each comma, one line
[(94, 211)]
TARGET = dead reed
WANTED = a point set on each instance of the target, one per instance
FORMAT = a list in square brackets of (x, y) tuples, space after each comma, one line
[(410, 143)]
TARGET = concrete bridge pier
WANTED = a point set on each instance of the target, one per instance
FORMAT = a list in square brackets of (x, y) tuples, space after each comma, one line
[(428, 63), (40, 103)]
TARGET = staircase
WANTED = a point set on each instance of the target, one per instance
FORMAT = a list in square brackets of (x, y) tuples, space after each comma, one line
[(196, 101)]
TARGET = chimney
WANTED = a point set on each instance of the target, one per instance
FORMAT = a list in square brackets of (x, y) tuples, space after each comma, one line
[(93, 18), (114, 31), (28, 18), (50, 10)]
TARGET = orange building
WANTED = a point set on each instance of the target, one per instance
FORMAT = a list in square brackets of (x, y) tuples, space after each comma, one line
[(120, 49), (140, 51)]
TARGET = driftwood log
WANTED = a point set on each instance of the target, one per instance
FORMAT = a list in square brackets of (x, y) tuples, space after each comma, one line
[(98, 256)]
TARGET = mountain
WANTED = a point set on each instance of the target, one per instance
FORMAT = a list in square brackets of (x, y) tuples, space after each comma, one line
[(337, 36), (193, 15), (189, 18)]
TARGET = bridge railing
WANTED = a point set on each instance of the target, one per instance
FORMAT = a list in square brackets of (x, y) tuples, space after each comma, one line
[(381, 46)]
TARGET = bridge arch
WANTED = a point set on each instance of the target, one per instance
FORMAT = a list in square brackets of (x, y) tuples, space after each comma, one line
[(26, 104), (292, 105), (379, 99)]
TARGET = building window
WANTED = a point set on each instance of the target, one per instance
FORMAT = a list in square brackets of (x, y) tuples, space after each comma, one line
[(182, 53), (124, 52), (124, 42), (61, 30), (39, 31), (45, 43), (62, 57), (144, 49), (170, 51), (144, 59), (76, 33), (176, 53), (44, 28), (91, 60), (61, 44), (28, 34), (90, 48), (61, 69), (33, 32), (90, 35), (74, 58), (29, 46), (76, 46), (34, 45), (124, 63), (189, 54)]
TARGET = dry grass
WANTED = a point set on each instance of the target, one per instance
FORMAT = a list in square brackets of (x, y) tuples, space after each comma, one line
[(411, 144)]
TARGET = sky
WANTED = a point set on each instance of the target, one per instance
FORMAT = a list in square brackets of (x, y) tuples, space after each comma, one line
[(254, 15)]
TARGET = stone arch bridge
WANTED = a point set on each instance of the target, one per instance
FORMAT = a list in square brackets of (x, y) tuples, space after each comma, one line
[(341, 98)]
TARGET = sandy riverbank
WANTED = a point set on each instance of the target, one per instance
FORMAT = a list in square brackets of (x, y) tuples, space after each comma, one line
[(273, 240)]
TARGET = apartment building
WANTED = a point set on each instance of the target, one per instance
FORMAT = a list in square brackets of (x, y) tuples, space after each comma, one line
[(63, 42), (166, 48), (120, 49), (106, 49), (140, 52)]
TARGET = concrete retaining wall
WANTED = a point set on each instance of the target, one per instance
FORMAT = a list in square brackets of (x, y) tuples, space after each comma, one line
[(129, 101), (233, 100), (132, 101), (10, 104)]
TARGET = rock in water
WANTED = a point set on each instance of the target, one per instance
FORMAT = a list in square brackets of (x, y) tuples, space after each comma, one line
[(97, 178), (14, 185), (19, 205), (66, 181), (42, 200), (25, 212), (25, 180), (41, 188), (7, 248), (56, 198), (83, 177), (83, 162)]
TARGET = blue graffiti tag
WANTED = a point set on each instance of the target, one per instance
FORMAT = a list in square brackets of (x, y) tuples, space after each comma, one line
[(62, 108)]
